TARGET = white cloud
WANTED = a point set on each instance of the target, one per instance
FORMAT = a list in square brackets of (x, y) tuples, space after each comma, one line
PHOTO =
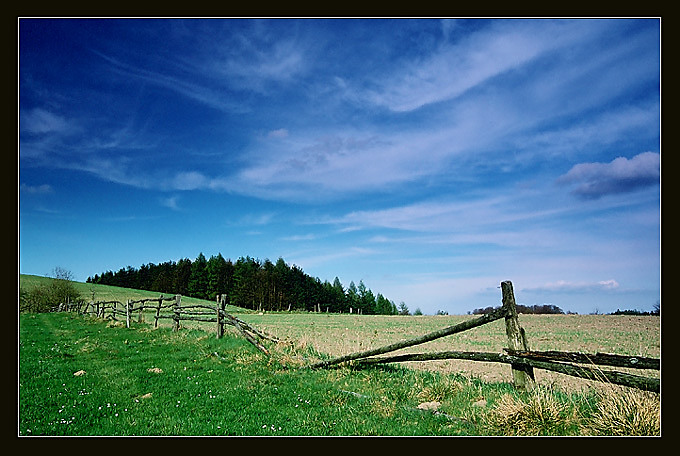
[(190, 180), (300, 237), (170, 202), (621, 175), (36, 189), (456, 68), (278, 134), (40, 121), (567, 286)]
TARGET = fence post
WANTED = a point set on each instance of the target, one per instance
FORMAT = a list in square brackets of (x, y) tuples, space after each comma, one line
[(176, 310), (158, 311), (523, 376), (220, 328), (127, 313)]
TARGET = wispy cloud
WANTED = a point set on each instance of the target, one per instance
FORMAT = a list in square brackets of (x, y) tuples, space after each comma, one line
[(456, 68), (40, 121), (170, 202), (205, 93), (256, 62), (300, 237), (621, 175), (37, 189), (278, 134), (256, 219), (566, 286), (321, 259)]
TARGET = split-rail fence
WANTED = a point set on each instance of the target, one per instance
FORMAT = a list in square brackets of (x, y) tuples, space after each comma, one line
[(171, 307), (522, 360), (517, 354)]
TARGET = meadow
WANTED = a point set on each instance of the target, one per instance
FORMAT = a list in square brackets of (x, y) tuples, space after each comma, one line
[(84, 376)]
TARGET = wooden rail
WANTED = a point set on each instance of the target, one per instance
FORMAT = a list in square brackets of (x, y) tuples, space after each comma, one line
[(517, 354), (521, 359), (192, 312)]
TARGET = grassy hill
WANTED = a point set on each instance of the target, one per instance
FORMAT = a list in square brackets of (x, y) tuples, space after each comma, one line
[(98, 292)]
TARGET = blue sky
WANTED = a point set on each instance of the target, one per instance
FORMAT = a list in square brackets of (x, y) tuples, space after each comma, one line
[(430, 158)]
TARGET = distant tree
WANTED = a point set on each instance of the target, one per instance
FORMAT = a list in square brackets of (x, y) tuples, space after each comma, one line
[(384, 306), (243, 292), (182, 276), (198, 281), (339, 296), (656, 309), (484, 310), (366, 299), (417, 311), (216, 275), (403, 309), (352, 297), (441, 312)]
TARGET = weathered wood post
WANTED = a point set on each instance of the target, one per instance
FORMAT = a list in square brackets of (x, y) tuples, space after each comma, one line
[(176, 310), (523, 376), (127, 313), (220, 327), (158, 312)]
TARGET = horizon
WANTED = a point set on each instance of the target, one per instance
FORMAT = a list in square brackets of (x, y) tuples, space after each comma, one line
[(431, 159)]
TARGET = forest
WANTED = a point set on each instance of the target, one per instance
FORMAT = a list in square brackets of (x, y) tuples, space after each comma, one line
[(252, 284)]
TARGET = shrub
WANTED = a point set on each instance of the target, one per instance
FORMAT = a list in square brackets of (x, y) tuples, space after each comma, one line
[(43, 297)]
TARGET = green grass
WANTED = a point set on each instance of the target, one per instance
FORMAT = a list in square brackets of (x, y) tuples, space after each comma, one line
[(205, 387), (139, 381)]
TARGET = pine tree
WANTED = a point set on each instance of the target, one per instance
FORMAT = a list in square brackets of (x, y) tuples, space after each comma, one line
[(198, 281), (216, 275)]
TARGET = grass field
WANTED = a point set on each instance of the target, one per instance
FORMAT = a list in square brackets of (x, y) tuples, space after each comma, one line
[(83, 376)]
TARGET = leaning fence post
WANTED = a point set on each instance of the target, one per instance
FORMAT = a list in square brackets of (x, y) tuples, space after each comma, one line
[(523, 376), (127, 313), (176, 310)]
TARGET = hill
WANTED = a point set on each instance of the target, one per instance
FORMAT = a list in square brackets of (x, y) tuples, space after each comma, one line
[(99, 292)]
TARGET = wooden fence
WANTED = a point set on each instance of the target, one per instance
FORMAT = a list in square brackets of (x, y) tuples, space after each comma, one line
[(517, 354), (522, 360), (116, 310)]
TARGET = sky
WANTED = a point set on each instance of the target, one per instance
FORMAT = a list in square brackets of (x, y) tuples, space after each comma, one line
[(430, 158)]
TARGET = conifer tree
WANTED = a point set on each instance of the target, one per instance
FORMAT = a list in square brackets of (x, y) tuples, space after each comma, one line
[(198, 281)]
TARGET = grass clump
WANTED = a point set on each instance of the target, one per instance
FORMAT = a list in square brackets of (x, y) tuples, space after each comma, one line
[(539, 412), (625, 412)]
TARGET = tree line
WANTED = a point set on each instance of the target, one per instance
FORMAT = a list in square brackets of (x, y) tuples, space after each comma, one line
[(535, 309), (250, 283)]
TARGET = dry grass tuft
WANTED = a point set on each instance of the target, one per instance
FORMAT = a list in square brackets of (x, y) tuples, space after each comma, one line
[(625, 412), (440, 390), (538, 413)]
